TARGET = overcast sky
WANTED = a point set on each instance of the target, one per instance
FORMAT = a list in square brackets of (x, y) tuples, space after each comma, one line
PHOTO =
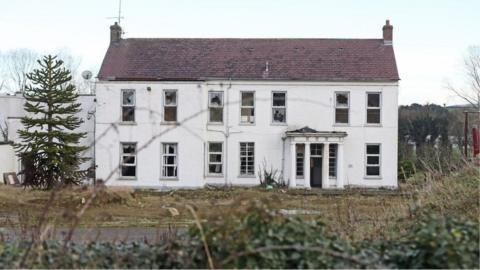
[(430, 37)]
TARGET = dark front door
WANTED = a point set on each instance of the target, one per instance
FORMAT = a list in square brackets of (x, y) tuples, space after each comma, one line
[(316, 172)]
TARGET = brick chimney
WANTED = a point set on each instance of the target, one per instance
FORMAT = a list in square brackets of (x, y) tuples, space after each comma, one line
[(387, 33), (115, 33)]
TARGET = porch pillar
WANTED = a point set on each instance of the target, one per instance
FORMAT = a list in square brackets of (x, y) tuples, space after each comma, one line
[(306, 167), (293, 165), (340, 168), (325, 159)]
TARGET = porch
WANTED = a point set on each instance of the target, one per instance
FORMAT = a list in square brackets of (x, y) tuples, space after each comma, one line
[(316, 158)]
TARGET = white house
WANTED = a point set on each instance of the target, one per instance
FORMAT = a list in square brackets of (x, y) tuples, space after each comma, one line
[(190, 112)]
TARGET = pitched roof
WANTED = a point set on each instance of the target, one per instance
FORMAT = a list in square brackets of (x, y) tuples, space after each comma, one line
[(288, 59)]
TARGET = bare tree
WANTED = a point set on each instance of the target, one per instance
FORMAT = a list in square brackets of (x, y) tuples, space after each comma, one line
[(16, 64), (471, 91)]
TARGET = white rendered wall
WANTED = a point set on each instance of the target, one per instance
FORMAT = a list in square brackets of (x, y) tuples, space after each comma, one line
[(308, 104)]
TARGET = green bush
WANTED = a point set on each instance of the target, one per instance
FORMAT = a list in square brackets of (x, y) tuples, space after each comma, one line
[(261, 238), (406, 168)]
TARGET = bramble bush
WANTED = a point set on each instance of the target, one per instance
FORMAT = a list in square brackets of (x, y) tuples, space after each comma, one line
[(262, 238)]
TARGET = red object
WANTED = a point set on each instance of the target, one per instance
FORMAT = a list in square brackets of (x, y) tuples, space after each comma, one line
[(476, 139)]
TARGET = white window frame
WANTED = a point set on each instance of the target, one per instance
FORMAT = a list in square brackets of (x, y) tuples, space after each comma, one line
[(211, 106), (298, 163), (122, 105), (122, 155), (162, 162), (249, 107), (333, 160), (379, 165), (341, 107), (279, 107), (368, 107), (209, 162), (170, 106), (246, 174)]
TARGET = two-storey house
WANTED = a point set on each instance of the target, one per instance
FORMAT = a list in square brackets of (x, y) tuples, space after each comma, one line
[(176, 112)]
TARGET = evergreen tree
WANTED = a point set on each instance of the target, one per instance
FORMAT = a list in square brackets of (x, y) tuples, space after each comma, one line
[(49, 148)]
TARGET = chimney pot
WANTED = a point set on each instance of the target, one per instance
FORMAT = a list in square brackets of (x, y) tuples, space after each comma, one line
[(115, 33), (387, 33)]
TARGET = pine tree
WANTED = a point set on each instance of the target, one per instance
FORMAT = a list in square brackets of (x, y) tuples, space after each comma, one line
[(50, 147)]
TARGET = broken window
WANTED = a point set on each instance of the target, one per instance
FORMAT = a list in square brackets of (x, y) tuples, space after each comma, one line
[(128, 105), (215, 158), (169, 160), (215, 107), (128, 162), (170, 105), (247, 158), (247, 108), (373, 108), (342, 106), (372, 154), (279, 107)]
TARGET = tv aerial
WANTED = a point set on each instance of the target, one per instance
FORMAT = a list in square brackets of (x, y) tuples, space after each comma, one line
[(87, 75)]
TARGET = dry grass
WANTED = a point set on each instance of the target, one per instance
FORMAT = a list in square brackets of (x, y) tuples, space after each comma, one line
[(354, 214)]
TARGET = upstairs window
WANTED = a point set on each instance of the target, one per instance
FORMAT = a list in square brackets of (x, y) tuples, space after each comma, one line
[(372, 155), (342, 107), (170, 105), (128, 105), (373, 108), (128, 160), (215, 107), (215, 158), (279, 107), (169, 160), (247, 158), (247, 108)]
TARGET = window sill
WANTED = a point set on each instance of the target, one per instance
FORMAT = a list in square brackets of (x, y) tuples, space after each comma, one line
[(127, 178), (279, 124), (169, 123), (247, 176), (214, 176), (246, 124), (373, 125), (127, 123), (168, 178), (215, 123), (341, 124), (372, 177)]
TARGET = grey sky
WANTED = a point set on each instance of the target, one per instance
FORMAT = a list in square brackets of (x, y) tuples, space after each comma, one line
[(430, 37)]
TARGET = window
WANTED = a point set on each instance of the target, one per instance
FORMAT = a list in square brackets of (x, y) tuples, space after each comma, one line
[(128, 160), (279, 107), (215, 158), (342, 105), (169, 160), (300, 159), (332, 161), (215, 107), (373, 108), (247, 158), (128, 105), (247, 108), (373, 159), (170, 105)]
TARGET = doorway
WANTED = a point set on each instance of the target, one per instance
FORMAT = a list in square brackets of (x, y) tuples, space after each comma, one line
[(316, 165)]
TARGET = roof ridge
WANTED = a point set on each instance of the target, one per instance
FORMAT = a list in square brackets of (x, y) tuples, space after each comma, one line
[(266, 38)]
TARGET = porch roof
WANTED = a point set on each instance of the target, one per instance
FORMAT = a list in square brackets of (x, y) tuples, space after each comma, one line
[(310, 132)]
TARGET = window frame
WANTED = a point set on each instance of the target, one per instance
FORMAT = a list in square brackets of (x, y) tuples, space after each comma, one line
[(122, 105), (215, 163), (246, 156), (379, 165), (333, 157), (252, 107), (122, 155), (170, 106), (272, 107), (162, 159), (216, 107), (380, 103), (301, 163), (336, 107)]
